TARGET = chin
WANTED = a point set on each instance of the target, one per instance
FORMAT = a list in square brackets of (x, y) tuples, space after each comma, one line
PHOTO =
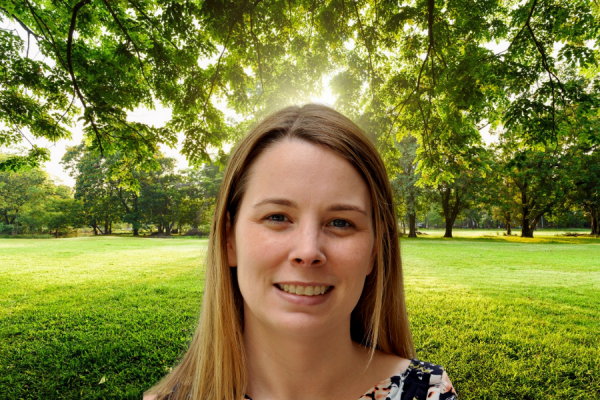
[(301, 327)]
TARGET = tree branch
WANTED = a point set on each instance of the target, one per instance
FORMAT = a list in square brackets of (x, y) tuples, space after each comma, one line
[(90, 118), (214, 77), (257, 45), (64, 114), (21, 23), (403, 104), (126, 33), (137, 7), (430, 11), (545, 64), (9, 113), (39, 22), (362, 31), (517, 35), (523, 27)]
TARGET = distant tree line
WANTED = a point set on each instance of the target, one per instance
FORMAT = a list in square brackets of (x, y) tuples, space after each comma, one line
[(32, 203), (512, 186), (162, 201), (537, 193)]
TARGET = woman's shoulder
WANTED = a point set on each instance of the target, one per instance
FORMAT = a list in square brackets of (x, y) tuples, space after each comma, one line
[(415, 379), (432, 377)]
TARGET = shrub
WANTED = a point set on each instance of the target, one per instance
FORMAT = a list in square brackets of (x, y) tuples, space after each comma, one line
[(6, 229)]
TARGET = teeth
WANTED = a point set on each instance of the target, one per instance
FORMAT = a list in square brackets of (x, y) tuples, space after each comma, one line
[(304, 290)]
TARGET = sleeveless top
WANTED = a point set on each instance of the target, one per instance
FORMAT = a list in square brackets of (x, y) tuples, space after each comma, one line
[(420, 381)]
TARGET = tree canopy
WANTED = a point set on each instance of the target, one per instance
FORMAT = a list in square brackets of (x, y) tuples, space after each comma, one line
[(439, 71)]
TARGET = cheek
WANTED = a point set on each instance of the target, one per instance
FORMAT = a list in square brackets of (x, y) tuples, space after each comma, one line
[(258, 254), (355, 256), (351, 262)]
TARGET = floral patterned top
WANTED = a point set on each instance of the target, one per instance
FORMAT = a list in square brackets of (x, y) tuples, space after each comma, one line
[(420, 381)]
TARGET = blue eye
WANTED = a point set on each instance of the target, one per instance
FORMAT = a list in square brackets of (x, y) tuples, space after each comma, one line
[(340, 223)]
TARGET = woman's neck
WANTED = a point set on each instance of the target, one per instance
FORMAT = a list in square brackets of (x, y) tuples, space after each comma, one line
[(297, 367)]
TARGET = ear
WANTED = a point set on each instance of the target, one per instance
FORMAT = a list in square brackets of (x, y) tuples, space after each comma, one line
[(231, 252)]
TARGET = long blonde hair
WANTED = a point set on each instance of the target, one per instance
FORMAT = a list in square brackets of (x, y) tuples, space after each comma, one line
[(214, 367)]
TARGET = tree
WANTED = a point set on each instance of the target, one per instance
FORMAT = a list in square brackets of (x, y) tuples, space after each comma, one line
[(105, 58), (404, 179), (100, 199), (160, 198), (586, 180), (424, 68), (201, 187), (458, 195), (17, 189), (63, 211)]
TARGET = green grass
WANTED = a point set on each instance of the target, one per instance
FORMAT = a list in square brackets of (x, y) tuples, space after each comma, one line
[(510, 318), (73, 311)]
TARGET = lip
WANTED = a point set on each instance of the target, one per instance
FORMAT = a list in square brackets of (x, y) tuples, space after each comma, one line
[(303, 300), (296, 283)]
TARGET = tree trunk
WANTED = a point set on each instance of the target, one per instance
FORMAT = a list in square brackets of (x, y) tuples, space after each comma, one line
[(508, 229), (168, 228), (595, 228), (136, 220), (450, 210), (56, 233), (525, 214), (412, 225), (448, 233), (526, 230), (533, 225), (105, 226)]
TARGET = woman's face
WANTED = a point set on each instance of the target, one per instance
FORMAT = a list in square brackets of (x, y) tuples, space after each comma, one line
[(303, 240)]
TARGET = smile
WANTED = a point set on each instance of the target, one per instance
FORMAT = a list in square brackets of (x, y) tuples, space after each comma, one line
[(304, 290)]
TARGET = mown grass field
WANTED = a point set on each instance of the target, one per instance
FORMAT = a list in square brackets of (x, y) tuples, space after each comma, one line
[(509, 318)]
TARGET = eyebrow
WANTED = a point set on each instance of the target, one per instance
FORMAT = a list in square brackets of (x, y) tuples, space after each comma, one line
[(292, 204), (346, 207), (278, 201)]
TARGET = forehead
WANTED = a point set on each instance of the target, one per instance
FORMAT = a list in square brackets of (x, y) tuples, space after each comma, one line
[(307, 173)]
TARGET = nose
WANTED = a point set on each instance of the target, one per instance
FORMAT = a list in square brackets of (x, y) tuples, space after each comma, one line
[(308, 247)]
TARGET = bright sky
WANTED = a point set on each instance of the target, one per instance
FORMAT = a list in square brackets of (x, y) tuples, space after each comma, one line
[(157, 118)]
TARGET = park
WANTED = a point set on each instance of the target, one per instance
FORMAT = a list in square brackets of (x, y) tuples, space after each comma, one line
[(86, 318), (118, 120)]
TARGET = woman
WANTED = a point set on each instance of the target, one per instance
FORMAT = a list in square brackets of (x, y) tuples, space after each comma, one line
[(303, 295)]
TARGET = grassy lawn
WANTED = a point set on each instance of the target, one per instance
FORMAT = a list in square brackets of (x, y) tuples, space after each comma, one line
[(509, 318)]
